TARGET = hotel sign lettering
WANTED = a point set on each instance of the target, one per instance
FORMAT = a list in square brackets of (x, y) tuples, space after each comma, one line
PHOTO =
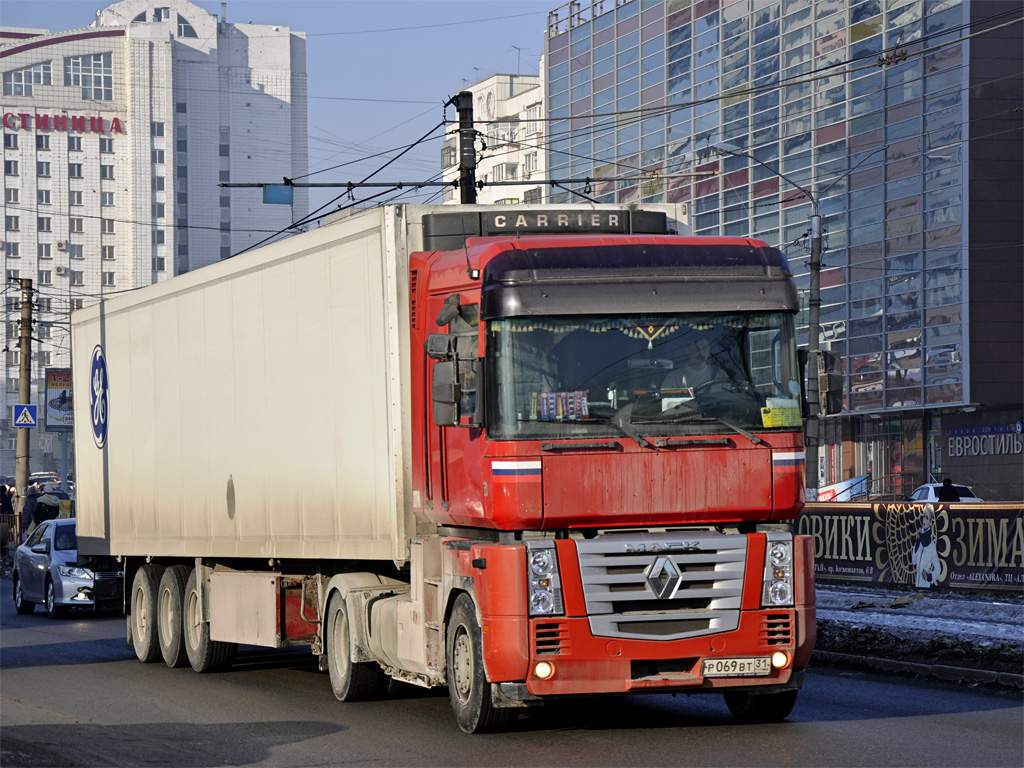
[(67, 123)]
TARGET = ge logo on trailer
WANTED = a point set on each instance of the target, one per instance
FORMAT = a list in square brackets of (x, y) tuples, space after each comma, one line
[(98, 394)]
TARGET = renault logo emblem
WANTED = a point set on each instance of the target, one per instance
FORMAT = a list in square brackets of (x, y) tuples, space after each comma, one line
[(663, 578)]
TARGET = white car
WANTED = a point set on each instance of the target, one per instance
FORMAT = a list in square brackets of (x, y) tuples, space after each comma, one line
[(929, 493)]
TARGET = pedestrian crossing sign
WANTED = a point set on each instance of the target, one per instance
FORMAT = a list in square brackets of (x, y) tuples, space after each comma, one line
[(25, 416)]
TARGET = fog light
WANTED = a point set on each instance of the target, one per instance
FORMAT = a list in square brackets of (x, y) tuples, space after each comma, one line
[(780, 659), (544, 669)]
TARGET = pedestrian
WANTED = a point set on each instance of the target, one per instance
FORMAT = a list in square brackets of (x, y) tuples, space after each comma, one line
[(947, 492), (6, 507), (28, 510), (47, 506)]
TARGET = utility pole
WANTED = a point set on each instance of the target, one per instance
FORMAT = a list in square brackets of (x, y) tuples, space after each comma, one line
[(467, 147), (814, 358), (21, 471)]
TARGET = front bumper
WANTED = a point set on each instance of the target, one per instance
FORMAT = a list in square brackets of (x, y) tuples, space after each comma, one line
[(95, 593)]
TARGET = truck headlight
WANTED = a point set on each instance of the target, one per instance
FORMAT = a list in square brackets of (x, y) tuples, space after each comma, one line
[(545, 595), (778, 571)]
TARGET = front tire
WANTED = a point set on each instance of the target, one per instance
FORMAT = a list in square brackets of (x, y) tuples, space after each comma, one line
[(350, 680), (468, 689), (170, 624), (204, 654), (53, 610), (143, 617), (748, 707), (21, 605)]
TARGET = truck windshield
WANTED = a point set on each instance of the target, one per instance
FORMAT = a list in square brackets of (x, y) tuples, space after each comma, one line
[(605, 376)]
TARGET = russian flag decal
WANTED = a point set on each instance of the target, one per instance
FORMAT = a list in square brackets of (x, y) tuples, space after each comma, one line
[(788, 458), (516, 471)]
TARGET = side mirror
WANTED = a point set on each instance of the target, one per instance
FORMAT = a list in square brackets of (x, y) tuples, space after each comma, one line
[(802, 357), (440, 346), (446, 394), (449, 311), (40, 549)]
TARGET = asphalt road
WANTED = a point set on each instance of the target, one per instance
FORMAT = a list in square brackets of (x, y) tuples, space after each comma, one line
[(72, 694)]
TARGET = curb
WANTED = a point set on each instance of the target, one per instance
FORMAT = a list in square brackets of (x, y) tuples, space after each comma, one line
[(939, 671)]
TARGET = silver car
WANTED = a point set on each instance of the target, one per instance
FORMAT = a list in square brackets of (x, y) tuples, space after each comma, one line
[(46, 571), (930, 493)]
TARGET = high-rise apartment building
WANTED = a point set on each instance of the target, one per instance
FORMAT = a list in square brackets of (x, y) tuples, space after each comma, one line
[(508, 112), (900, 120), (116, 138)]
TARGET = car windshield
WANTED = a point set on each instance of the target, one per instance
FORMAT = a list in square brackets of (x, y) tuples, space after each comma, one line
[(664, 374), (65, 538), (964, 492)]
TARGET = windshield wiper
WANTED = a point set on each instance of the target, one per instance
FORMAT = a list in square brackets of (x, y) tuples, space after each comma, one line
[(620, 420), (684, 416)]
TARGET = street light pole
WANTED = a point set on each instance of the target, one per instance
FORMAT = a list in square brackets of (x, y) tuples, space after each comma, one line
[(812, 436)]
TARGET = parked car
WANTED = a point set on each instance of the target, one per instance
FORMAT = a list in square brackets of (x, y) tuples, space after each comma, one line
[(46, 571), (929, 493)]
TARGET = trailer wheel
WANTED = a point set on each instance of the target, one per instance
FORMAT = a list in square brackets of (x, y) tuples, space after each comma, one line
[(748, 707), (468, 689), (143, 612), (351, 680), (204, 654), (21, 605), (170, 606)]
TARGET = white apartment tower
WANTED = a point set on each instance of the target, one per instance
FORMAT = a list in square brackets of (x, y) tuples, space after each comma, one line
[(116, 139)]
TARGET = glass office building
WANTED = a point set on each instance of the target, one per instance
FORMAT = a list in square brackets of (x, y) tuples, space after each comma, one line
[(896, 117)]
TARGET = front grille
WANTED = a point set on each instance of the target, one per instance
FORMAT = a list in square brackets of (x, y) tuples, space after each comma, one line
[(777, 629), (664, 586), (550, 638)]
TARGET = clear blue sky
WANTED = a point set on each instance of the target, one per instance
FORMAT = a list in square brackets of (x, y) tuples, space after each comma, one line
[(413, 54)]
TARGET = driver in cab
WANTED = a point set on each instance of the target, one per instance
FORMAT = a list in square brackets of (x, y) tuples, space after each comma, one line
[(698, 369)]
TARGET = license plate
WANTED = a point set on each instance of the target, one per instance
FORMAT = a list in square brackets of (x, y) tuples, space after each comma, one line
[(737, 667)]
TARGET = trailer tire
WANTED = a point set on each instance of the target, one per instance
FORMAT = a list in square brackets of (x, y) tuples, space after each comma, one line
[(143, 616), (350, 680), (204, 654), (170, 621), (752, 707), (21, 605), (468, 689)]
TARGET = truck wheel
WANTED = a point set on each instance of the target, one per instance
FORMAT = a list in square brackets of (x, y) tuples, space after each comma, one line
[(204, 654), (468, 689), (21, 605), (170, 604), (351, 680), (143, 612), (53, 610), (748, 707)]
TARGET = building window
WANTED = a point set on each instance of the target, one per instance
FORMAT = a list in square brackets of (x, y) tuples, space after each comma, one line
[(107, 226), (184, 28), (77, 277), (158, 264), (158, 183), (44, 358), (20, 81), (106, 145), (42, 197), (10, 167), (158, 210), (12, 250), (106, 171), (106, 198), (161, 14), (74, 170), (75, 197), (74, 143), (43, 224), (76, 225), (158, 157), (12, 223), (158, 236), (76, 250), (11, 195), (43, 170), (10, 141), (93, 73), (531, 162), (449, 155), (45, 277), (77, 304), (108, 251), (180, 107), (156, 129), (43, 251), (43, 141), (108, 278)]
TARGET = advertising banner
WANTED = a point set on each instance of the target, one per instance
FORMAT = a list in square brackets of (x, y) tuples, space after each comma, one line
[(922, 546), (59, 406)]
